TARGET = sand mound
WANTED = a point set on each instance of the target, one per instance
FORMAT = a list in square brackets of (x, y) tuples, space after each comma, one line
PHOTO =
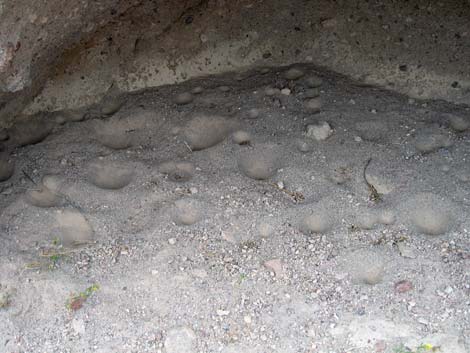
[(187, 212), (29, 133), (109, 175), (313, 105), (459, 123), (42, 196), (260, 163), (430, 214), (113, 135), (428, 142), (319, 221), (366, 267), (204, 131)]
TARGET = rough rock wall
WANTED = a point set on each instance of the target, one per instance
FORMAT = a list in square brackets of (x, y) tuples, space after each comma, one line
[(37, 35), (417, 47)]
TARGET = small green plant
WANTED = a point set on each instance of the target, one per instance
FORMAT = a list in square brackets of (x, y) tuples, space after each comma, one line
[(426, 347), (53, 260), (423, 348), (241, 278), (76, 301)]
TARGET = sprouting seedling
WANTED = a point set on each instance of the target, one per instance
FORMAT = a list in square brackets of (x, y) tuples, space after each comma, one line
[(76, 301)]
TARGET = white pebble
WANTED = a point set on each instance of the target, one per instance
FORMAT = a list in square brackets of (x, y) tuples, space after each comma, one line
[(320, 131)]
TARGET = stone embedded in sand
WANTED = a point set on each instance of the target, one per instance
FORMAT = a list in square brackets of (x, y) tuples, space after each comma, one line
[(459, 123), (320, 131), (187, 212), (259, 164), (313, 81), (224, 88), (430, 214), (6, 169), (372, 130), (197, 90), (271, 91), (109, 175), (264, 70), (73, 228), (430, 142), (293, 73), (366, 267), (177, 171), (42, 196), (285, 91), (253, 113), (183, 98), (29, 133), (180, 340), (313, 105), (317, 222), (241, 137), (312, 93), (204, 131)]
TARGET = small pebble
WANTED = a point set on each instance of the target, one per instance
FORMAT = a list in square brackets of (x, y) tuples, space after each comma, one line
[(403, 286), (320, 131)]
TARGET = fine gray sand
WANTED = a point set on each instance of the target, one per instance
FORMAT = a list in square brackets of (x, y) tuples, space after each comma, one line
[(279, 210)]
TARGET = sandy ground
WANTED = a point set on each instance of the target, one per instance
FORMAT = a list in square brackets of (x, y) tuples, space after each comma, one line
[(269, 211)]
